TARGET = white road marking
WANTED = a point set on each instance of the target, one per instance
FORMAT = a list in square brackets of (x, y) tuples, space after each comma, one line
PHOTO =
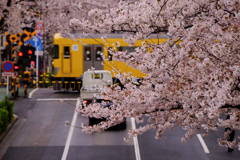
[(135, 141), (69, 138), (57, 99), (31, 93), (205, 148)]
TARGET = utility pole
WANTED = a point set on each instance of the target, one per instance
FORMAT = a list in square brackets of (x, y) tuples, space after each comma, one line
[(44, 40), (44, 46)]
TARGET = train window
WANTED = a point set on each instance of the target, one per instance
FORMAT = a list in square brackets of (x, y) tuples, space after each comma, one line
[(66, 52), (87, 54), (97, 76), (98, 52), (128, 49), (56, 51)]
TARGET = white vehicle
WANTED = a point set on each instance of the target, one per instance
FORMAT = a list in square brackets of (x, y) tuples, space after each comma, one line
[(93, 82)]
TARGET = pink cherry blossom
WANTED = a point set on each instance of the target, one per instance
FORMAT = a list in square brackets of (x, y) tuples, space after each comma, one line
[(192, 79)]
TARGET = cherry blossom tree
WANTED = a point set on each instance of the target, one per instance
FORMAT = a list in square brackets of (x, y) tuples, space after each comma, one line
[(192, 80), (54, 14)]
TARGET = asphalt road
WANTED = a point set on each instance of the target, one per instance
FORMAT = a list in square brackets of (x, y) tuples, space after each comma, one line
[(40, 134)]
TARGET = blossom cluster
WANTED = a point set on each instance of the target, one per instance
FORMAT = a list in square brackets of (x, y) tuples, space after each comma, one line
[(192, 80), (54, 14)]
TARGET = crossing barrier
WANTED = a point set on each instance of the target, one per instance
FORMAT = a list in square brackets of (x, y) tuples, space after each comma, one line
[(66, 85), (34, 83), (18, 86), (13, 87), (25, 91), (73, 85)]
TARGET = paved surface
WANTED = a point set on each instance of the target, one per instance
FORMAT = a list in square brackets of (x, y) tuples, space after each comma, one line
[(6, 139), (40, 134), (3, 92)]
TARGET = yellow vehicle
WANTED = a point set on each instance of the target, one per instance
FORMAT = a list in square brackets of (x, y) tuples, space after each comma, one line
[(74, 57)]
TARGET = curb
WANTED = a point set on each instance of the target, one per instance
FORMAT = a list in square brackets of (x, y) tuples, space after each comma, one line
[(15, 118), (31, 93)]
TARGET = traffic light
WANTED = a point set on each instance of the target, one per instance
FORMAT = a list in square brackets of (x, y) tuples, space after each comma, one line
[(29, 52), (16, 67), (20, 61), (20, 54), (32, 64)]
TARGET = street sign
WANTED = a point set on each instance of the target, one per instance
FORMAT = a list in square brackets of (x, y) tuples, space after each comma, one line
[(40, 35), (26, 43), (40, 47), (40, 53), (7, 74), (7, 66), (36, 41), (39, 26)]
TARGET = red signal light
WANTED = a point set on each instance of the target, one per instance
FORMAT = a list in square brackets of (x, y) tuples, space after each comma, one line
[(85, 101), (16, 67), (29, 52), (20, 54), (32, 64)]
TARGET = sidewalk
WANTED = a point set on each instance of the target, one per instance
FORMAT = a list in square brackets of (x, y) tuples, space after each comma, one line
[(6, 142), (3, 92)]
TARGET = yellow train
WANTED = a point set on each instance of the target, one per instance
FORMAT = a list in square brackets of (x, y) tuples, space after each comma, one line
[(73, 57)]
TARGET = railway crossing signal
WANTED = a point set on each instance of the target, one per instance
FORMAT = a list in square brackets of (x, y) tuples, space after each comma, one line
[(20, 54), (29, 51)]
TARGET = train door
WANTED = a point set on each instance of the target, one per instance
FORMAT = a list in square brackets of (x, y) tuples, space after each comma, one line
[(92, 57), (66, 60)]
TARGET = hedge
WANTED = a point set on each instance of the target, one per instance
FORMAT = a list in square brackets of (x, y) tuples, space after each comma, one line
[(6, 113)]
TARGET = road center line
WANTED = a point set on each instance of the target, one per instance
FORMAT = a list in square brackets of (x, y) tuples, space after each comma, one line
[(69, 138), (57, 99), (135, 141), (205, 148)]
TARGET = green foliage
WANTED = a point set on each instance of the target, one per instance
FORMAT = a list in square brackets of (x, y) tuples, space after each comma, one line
[(8, 105), (3, 119), (6, 113)]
